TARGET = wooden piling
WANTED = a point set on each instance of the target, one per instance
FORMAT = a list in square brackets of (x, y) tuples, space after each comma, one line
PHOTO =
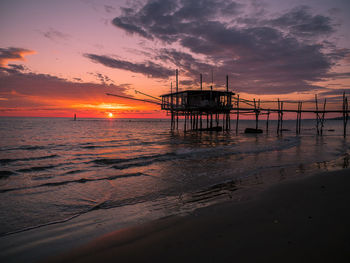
[(237, 114), (257, 112), (322, 120), (278, 119), (281, 117), (207, 120), (267, 120), (317, 116), (345, 112), (301, 105), (298, 124)]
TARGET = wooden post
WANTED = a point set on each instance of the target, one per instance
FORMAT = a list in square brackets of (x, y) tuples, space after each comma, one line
[(317, 116), (226, 83), (267, 120), (257, 112), (322, 117), (345, 112), (172, 120), (190, 119), (301, 105), (278, 120), (297, 129), (237, 114), (177, 121), (281, 117), (177, 98), (223, 122), (297, 123), (207, 120), (194, 121), (185, 114)]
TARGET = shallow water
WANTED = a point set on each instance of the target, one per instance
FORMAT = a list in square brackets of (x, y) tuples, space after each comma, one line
[(54, 169)]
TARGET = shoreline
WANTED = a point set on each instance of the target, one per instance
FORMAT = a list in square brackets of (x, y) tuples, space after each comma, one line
[(303, 220)]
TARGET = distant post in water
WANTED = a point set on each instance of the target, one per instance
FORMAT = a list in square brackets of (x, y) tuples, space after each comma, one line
[(237, 114), (345, 112)]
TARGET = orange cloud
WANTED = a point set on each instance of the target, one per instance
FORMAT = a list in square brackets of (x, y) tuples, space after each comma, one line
[(13, 54)]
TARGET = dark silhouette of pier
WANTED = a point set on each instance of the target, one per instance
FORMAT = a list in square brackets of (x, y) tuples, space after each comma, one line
[(202, 109)]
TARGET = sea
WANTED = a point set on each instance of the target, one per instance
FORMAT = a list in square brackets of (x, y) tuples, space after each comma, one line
[(53, 170)]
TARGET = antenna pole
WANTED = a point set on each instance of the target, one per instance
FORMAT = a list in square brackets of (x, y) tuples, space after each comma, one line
[(177, 81), (201, 80)]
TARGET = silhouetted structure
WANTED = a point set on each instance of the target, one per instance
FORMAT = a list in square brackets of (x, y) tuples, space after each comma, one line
[(203, 109), (196, 105)]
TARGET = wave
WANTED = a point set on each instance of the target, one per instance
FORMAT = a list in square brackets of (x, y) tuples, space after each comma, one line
[(137, 161), (6, 161), (6, 174), (36, 168), (73, 172), (24, 147), (195, 153), (80, 180)]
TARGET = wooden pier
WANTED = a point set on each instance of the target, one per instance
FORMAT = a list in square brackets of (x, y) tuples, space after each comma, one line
[(202, 109)]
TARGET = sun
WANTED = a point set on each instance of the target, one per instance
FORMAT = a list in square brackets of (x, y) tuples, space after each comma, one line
[(110, 115)]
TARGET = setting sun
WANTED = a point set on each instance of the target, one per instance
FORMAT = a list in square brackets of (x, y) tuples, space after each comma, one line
[(110, 115)]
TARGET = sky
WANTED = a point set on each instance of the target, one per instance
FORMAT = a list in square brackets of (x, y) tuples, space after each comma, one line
[(60, 58)]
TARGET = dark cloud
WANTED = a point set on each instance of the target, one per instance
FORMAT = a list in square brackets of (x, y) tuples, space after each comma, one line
[(102, 77), (13, 53), (186, 82), (129, 27), (17, 67), (302, 22), (147, 68), (336, 92), (339, 75), (55, 35), (261, 55)]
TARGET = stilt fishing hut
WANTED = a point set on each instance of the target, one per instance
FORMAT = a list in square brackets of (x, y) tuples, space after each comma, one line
[(198, 106)]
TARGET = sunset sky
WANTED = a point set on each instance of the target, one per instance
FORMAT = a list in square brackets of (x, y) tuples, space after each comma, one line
[(58, 58)]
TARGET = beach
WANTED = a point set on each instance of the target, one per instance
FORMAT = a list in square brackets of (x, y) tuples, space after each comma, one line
[(303, 220)]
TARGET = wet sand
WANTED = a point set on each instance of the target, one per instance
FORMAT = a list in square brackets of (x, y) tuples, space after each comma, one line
[(304, 220)]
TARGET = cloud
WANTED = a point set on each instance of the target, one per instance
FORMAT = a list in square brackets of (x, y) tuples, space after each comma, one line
[(17, 67), (301, 22), (336, 92), (13, 54), (101, 77), (261, 54), (33, 90), (147, 68), (55, 35), (109, 8)]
